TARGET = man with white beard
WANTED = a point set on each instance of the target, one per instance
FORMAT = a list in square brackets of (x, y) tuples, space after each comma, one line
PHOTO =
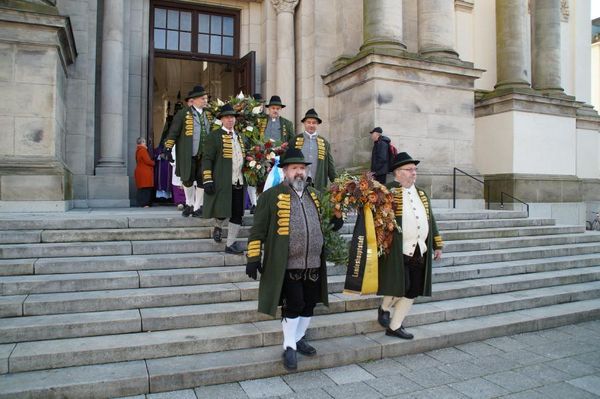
[(287, 221)]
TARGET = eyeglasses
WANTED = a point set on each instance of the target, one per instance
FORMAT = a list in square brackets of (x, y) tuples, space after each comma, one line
[(410, 169)]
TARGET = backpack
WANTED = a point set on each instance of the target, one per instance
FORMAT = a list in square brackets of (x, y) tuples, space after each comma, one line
[(392, 152)]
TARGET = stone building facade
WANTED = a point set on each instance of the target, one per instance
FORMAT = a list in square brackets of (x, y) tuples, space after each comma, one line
[(500, 89)]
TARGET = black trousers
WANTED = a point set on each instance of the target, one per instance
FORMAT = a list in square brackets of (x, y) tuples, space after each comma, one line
[(414, 274), (237, 204), (196, 174), (300, 292)]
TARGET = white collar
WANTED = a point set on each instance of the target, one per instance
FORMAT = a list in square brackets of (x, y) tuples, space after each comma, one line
[(198, 110), (313, 135)]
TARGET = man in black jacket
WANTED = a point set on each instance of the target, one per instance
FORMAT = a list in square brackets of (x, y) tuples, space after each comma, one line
[(380, 155)]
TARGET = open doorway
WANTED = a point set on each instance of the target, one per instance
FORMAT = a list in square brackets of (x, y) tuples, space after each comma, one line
[(174, 78)]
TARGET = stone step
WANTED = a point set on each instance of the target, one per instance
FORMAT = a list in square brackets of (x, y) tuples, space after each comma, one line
[(181, 372), (28, 356), (514, 254), (92, 301), (37, 284), (187, 316), (187, 233), (16, 267), (145, 247), (96, 264), (519, 242), (492, 223)]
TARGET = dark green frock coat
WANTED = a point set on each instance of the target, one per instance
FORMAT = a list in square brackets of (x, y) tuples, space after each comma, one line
[(181, 132), (325, 164), (271, 230), (286, 128), (391, 266), (216, 167)]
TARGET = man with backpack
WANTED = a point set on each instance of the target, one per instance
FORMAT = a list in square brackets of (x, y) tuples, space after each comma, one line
[(383, 153)]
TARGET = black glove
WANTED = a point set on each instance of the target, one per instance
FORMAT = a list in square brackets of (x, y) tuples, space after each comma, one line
[(252, 268), (337, 223), (209, 188), (167, 154)]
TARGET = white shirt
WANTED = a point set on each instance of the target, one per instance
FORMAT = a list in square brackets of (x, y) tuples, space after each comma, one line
[(415, 227), (237, 162), (198, 110)]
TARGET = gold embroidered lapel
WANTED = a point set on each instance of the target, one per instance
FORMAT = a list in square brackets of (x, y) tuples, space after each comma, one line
[(189, 124), (398, 199), (299, 142), (320, 148), (425, 202), (227, 145), (283, 214)]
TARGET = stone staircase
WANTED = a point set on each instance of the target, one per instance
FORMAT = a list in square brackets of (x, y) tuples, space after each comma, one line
[(99, 304)]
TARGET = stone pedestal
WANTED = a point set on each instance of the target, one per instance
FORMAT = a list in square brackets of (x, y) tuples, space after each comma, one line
[(36, 45), (433, 122)]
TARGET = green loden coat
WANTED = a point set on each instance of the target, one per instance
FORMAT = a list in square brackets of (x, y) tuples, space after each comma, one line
[(391, 266), (271, 229), (325, 164), (286, 128), (216, 167), (181, 133)]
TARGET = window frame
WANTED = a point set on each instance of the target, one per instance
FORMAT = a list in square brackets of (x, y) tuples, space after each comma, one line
[(196, 9)]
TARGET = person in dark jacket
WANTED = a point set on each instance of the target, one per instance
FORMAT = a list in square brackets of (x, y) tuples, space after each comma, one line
[(380, 154)]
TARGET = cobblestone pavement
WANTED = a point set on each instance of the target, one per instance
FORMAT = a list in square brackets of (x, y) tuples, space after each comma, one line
[(557, 363)]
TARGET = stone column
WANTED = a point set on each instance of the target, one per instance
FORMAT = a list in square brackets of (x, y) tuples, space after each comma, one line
[(382, 25), (436, 20), (286, 57), (511, 39), (546, 74), (111, 98)]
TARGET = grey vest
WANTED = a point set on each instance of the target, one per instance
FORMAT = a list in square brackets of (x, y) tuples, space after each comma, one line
[(310, 151), (306, 236), (200, 129), (273, 130)]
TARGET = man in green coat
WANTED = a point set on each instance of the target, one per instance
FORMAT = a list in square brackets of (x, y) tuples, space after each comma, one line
[(317, 151), (187, 133), (287, 222), (273, 126), (405, 272), (222, 163)]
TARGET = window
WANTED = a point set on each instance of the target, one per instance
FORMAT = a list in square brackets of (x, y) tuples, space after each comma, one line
[(189, 31)]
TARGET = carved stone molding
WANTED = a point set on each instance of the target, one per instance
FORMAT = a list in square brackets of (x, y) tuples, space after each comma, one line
[(564, 10), (285, 5)]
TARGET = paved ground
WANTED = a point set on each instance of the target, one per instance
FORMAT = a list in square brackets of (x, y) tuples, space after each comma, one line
[(558, 363)]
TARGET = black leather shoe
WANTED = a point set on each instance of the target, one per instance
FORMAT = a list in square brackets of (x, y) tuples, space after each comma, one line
[(400, 333), (305, 348), (383, 317), (217, 233), (234, 249), (253, 209), (197, 213), (187, 211), (290, 361)]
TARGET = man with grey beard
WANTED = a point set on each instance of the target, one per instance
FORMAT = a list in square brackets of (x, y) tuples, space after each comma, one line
[(287, 221)]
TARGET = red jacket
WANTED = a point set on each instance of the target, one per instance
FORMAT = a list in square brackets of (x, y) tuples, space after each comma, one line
[(144, 169)]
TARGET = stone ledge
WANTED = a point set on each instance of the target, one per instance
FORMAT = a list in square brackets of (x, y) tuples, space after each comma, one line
[(525, 100)]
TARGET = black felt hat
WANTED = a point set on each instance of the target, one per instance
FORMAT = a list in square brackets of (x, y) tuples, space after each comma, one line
[(292, 155), (275, 100), (376, 130), (311, 113), (258, 97), (227, 110), (401, 159), (197, 91)]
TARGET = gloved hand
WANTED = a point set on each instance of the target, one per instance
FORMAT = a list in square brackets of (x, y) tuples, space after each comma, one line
[(337, 223), (167, 154), (209, 188), (252, 268)]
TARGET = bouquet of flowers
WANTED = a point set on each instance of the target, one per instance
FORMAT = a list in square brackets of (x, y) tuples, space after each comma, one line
[(259, 161), (249, 111), (349, 193)]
